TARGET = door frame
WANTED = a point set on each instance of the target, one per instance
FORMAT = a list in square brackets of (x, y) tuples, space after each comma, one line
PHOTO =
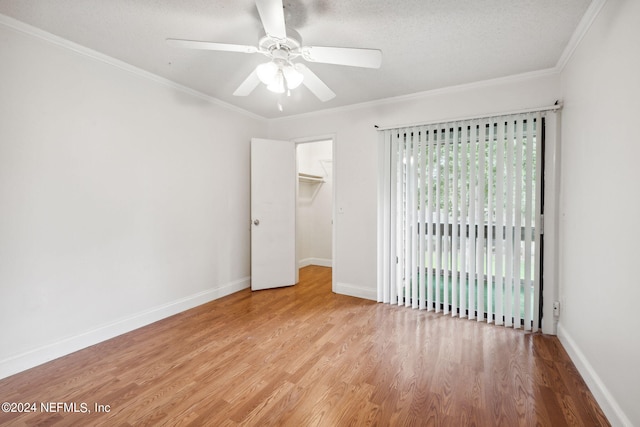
[(320, 138), (550, 292)]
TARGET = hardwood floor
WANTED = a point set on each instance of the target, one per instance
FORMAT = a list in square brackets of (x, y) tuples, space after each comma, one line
[(303, 356)]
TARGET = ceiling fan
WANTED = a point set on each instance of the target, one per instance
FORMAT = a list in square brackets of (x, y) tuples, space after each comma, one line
[(282, 46)]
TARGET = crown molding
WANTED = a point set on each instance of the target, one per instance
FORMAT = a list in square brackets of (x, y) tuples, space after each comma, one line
[(581, 30), (47, 37), (585, 23), (515, 78)]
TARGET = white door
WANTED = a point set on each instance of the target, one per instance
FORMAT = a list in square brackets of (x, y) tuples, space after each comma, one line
[(273, 214)]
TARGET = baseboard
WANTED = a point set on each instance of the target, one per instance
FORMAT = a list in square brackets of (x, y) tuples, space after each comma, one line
[(43, 354), (609, 406), (356, 291), (322, 262)]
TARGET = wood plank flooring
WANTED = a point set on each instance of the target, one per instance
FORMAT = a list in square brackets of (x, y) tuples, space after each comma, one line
[(303, 356)]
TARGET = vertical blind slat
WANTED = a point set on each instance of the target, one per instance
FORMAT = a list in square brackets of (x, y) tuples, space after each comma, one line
[(438, 220), (393, 209), (455, 224), (528, 227), (430, 145), (410, 281), (509, 226), (499, 239), (422, 225), (538, 204), (480, 221), (518, 222), (405, 223), (414, 232), (445, 202), (399, 225), (490, 221), (471, 219), (464, 219)]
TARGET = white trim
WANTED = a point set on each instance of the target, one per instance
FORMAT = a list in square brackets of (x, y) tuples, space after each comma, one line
[(319, 138), (551, 223), (464, 87), (607, 402), (29, 359), (581, 30), (27, 29), (82, 50), (322, 262), (355, 291), (425, 94)]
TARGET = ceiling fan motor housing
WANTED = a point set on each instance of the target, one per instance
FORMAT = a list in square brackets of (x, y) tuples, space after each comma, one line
[(278, 48)]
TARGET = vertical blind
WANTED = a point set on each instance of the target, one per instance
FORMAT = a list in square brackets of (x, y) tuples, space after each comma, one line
[(462, 227)]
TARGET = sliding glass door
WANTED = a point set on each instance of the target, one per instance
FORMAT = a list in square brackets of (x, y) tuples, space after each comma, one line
[(463, 226)]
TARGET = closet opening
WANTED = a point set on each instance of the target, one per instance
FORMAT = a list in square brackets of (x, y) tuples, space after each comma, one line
[(314, 224)]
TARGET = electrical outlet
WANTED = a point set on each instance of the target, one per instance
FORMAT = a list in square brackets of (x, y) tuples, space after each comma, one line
[(556, 308)]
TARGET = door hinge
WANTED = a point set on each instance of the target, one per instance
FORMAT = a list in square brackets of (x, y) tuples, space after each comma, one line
[(541, 223)]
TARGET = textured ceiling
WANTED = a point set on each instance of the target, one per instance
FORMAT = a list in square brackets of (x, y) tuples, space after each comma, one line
[(426, 44)]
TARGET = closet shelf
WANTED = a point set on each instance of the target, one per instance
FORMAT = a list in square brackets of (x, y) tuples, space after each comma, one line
[(307, 177)]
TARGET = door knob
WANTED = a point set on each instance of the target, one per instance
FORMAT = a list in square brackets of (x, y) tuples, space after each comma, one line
[(256, 222)]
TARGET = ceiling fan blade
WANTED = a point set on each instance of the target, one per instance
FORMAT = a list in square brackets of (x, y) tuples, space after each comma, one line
[(272, 16), (193, 44), (314, 84), (367, 58), (248, 85)]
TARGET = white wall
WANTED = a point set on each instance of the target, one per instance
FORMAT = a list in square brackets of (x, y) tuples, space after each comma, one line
[(356, 157), (600, 210), (122, 200), (315, 207)]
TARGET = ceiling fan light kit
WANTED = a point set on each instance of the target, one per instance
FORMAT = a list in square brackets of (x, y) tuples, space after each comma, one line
[(282, 45), (279, 74), (293, 77)]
